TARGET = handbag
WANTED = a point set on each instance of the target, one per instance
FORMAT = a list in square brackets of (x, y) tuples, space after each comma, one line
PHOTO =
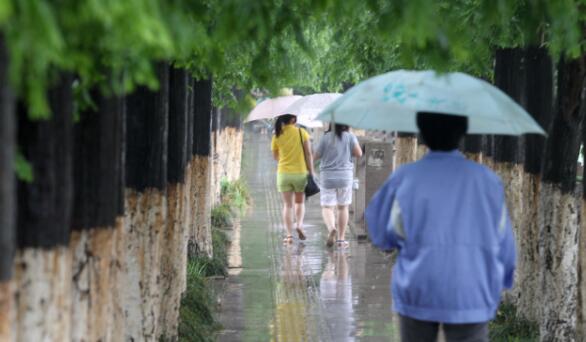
[(311, 188)]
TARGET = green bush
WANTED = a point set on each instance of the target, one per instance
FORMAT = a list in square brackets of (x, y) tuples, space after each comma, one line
[(197, 322), (508, 326), (218, 265), (234, 199), (235, 194), (222, 215)]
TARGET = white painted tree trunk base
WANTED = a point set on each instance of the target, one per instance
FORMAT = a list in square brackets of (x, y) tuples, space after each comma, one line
[(421, 151), (477, 157), (201, 231), (527, 280), (95, 279), (581, 314), (42, 294), (174, 259), (511, 175), (558, 222), (7, 312), (405, 150), (145, 224), (226, 158)]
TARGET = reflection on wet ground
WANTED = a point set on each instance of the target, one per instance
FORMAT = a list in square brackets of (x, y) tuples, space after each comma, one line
[(303, 291)]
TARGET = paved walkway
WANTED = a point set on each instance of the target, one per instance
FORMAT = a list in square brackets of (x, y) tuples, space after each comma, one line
[(304, 291)]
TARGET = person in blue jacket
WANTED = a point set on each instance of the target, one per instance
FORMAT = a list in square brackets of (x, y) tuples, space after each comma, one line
[(447, 217)]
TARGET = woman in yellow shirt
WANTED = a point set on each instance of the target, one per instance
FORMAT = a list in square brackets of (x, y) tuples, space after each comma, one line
[(291, 147)]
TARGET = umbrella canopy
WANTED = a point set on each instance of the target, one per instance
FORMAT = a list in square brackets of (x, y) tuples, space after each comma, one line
[(391, 101), (271, 108), (311, 105), (307, 122)]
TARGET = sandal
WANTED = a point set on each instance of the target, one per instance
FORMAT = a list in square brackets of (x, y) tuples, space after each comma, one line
[(288, 239), (342, 243), (331, 238), (301, 234)]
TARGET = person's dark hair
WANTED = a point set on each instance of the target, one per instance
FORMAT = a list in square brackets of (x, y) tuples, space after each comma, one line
[(441, 132), (339, 129), (283, 120)]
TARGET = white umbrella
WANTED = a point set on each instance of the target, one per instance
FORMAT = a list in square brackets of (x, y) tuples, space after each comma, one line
[(308, 107), (271, 108), (311, 105), (390, 102), (307, 122)]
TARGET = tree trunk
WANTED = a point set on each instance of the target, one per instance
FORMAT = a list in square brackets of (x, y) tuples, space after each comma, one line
[(421, 149), (43, 262), (7, 195), (174, 260), (488, 150), (558, 214), (216, 149), (405, 149), (539, 101), (146, 206), (200, 236), (510, 78), (98, 173), (473, 147), (227, 148)]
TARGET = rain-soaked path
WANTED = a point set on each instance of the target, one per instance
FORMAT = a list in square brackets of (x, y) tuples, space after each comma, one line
[(304, 291)]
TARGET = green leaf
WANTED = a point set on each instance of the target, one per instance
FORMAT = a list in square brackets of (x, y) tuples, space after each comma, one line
[(23, 169)]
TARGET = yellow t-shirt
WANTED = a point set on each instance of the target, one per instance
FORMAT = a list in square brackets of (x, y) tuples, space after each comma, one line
[(288, 144)]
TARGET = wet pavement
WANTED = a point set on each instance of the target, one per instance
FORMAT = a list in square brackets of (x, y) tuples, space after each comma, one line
[(303, 291)]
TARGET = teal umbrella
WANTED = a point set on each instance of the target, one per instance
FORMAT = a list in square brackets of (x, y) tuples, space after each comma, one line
[(391, 101)]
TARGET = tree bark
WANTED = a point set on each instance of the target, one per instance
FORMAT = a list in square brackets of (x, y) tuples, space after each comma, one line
[(227, 148), (473, 147), (488, 150), (558, 214), (581, 310), (43, 262), (7, 194), (98, 176), (538, 102), (146, 205), (200, 238), (174, 259), (98, 169), (421, 149), (405, 149), (509, 76)]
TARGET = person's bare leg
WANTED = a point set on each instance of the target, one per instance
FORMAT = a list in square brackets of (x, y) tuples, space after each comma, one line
[(342, 221), (327, 212), (300, 213), (329, 217), (288, 212)]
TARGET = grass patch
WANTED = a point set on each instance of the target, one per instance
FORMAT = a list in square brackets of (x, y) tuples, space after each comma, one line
[(236, 194), (234, 199), (508, 326), (197, 321), (222, 215), (218, 265)]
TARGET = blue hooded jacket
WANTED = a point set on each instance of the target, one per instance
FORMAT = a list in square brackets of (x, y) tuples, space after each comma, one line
[(448, 218)]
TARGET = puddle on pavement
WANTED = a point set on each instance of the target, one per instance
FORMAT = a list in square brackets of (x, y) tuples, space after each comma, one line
[(302, 291)]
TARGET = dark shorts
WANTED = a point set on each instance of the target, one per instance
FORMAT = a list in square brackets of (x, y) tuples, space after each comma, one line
[(413, 330)]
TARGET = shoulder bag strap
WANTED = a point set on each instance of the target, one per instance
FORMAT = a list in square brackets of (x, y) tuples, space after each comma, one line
[(303, 148)]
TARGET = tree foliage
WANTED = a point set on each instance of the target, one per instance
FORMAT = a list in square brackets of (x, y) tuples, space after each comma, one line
[(315, 45)]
